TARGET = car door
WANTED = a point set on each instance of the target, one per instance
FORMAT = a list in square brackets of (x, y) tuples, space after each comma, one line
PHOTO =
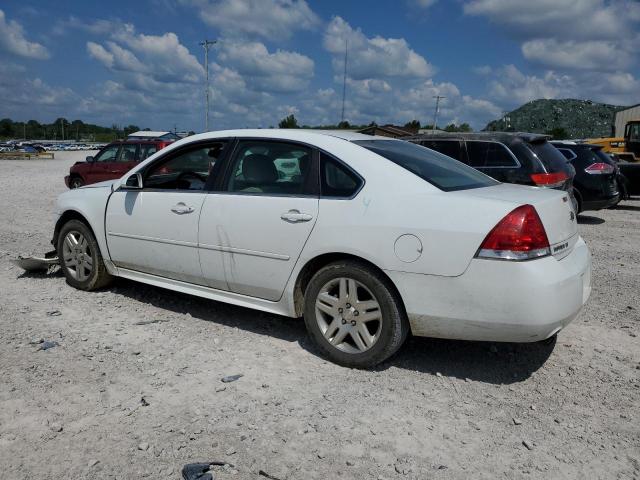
[(155, 230), (103, 164), (253, 230)]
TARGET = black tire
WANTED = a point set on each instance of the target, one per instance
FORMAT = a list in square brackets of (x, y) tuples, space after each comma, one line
[(76, 182), (578, 198), (98, 276), (393, 326)]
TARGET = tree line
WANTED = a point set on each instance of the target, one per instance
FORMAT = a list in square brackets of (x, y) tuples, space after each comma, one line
[(290, 121), (63, 129)]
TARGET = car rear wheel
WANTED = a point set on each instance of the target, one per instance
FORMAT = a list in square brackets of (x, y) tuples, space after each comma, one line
[(80, 257), (354, 314), (76, 182)]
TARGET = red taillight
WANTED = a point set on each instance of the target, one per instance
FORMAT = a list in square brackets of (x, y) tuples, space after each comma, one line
[(599, 169), (550, 180), (518, 236)]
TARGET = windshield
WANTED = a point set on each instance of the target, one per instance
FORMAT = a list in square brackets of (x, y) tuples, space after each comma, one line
[(441, 171)]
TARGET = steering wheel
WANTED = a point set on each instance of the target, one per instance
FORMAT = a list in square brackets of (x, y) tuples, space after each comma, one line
[(185, 176)]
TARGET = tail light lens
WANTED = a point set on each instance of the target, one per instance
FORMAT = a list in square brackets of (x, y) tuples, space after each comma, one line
[(549, 180), (600, 169), (518, 236)]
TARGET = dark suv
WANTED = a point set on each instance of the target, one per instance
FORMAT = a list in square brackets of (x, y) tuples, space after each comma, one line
[(112, 162), (523, 158), (598, 181)]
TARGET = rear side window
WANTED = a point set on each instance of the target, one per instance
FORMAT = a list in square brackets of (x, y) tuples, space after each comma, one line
[(147, 150), (437, 169), (568, 154), (336, 179), (489, 154), (549, 155), (450, 148)]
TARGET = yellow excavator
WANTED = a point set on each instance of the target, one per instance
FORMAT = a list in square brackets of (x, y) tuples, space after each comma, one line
[(625, 147)]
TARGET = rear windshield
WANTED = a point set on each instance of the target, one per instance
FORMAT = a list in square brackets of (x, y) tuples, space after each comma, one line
[(550, 156), (444, 172)]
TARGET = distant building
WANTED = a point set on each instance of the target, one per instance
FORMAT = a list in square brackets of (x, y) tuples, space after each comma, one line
[(391, 131), (149, 134), (624, 116)]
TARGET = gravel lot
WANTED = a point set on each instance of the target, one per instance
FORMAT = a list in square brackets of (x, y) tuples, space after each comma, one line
[(440, 409)]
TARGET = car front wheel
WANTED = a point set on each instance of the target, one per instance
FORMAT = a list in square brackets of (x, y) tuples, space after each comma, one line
[(76, 182), (80, 257), (354, 314)]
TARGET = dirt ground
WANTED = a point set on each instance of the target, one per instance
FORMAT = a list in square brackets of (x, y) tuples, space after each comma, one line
[(133, 390)]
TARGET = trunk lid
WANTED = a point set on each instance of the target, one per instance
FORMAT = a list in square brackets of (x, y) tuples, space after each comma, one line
[(554, 209)]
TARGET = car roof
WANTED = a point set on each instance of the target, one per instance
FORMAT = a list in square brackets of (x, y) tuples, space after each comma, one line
[(299, 134), (504, 137), (571, 144)]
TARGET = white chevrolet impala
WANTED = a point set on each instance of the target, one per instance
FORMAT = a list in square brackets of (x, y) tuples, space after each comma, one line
[(365, 237)]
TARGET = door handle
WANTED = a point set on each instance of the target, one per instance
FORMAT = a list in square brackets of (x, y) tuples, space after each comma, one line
[(180, 208), (294, 216)]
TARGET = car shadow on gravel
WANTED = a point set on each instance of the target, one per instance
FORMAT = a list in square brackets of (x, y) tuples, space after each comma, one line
[(589, 220), (496, 363), (631, 208), (487, 362), (57, 272)]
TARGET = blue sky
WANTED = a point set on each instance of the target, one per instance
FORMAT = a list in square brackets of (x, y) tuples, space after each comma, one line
[(139, 61)]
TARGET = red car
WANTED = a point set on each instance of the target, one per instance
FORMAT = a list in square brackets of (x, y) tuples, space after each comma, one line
[(112, 162)]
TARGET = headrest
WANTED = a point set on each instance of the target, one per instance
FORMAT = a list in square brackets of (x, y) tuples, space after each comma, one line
[(259, 169)]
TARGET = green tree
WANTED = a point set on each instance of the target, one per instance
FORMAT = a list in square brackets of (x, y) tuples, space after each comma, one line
[(558, 133), (288, 122), (344, 124), (413, 125)]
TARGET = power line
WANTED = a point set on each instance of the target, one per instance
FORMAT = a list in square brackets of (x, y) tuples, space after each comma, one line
[(206, 44), (344, 80), (435, 115)]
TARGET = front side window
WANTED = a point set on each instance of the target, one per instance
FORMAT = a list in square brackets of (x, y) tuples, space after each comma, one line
[(261, 167), (109, 154), (439, 170), (336, 179), (146, 151), (185, 170), (128, 153), (489, 154)]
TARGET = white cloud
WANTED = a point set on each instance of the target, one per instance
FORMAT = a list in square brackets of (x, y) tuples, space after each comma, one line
[(577, 55), (13, 40), (375, 57), (270, 19), (162, 57), (281, 71)]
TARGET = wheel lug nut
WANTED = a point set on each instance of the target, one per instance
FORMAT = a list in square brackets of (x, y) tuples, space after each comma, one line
[(344, 321), (353, 322), (356, 313), (340, 310), (348, 305)]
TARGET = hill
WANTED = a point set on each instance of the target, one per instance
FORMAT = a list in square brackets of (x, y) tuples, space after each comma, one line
[(569, 118)]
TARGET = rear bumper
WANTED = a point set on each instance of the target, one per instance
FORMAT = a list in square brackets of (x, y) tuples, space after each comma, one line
[(600, 203), (499, 300)]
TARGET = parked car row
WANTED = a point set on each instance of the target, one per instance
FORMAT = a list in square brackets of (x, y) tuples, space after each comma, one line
[(592, 178)]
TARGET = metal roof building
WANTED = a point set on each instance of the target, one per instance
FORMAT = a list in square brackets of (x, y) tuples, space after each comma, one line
[(624, 116), (149, 134)]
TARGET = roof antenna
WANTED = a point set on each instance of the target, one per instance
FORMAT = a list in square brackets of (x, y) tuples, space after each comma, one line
[(344, 81)]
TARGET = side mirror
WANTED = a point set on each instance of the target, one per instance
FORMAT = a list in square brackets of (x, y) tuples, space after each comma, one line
[(89, 159), (134, 182)]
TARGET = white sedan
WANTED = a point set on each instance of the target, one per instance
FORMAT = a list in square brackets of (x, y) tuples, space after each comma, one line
[(368, 238)]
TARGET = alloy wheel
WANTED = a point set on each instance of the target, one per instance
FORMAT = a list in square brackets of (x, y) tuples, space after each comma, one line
[(76, 255), (349, 315)]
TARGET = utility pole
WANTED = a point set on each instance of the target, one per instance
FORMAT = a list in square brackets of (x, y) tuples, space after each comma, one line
[(344, 80), (24, 129), (435, 115), (206, 44), (62, 127)]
